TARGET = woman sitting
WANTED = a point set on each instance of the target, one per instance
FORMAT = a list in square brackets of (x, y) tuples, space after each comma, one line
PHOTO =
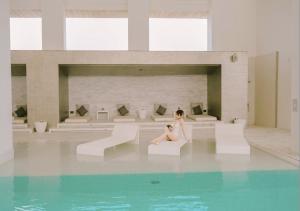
[(173, 131)]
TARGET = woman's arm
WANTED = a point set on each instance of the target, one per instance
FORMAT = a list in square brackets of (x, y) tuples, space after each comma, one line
[(183, 129)]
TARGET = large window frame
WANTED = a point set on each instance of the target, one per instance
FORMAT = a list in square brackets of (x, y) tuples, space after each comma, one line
[(26, 33)]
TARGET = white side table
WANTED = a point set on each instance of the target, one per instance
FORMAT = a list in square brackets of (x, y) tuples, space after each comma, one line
[(241, 121), (40, 126), (103, 112), (72, 113), (142, 113)]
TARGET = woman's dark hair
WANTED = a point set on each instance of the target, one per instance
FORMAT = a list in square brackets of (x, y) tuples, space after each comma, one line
[(179, 112)]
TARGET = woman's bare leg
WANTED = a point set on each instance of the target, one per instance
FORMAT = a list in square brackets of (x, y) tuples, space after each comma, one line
[(164, 136), (159, 139)]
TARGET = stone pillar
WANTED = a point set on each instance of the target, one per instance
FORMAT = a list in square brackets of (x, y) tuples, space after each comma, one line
[(43, 89), (6, 139), (53, 19), (138, 25)]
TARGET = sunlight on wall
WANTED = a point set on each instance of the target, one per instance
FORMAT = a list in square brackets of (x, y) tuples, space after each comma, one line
[(97, 34), (25, 33), (173, 34)]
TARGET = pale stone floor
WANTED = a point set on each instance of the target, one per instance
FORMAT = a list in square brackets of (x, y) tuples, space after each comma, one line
[(54, 154), (275, 141)]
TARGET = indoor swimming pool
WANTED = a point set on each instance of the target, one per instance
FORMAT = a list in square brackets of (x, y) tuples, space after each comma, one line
[(205, 191)]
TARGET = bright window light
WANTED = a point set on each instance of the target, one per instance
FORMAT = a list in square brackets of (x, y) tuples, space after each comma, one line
[(97, 34), (177, 34), (25, 33)]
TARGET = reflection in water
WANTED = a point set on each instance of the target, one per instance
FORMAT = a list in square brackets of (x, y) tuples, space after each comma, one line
[(233, 191)]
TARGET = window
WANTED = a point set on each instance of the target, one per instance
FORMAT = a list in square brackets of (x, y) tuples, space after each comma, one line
[(177, 34), (25, 33), (97, 34)]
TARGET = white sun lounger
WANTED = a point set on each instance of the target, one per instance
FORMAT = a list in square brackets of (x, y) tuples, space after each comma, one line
[(121, 134), (230, 139), (170, 147)]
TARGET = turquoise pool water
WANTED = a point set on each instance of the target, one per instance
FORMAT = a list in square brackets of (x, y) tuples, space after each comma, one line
[(214, 191)]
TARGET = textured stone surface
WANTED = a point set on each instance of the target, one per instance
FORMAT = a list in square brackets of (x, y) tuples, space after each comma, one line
[(18, 91), (139, 92)]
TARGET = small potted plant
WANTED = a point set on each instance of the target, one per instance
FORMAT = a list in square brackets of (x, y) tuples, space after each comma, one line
[(40, 126)]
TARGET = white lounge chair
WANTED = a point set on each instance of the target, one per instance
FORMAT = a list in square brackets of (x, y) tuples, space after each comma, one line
[(230, 139), (121, 134), (170, 147)]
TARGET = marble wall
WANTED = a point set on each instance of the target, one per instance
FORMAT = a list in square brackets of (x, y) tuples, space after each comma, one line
[(138, 91), (19, 91)]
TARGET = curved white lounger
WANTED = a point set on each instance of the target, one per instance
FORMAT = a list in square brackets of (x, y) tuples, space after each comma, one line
[(170, 147), (122, 133), (230, 139)]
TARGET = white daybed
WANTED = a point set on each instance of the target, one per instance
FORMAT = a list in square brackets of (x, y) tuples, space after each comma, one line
[(202, 117), (129, 118), (197, 115), (19, 120), (230, 139), (171, 147), (20, 125), (162, 118), (121, 134), (19, 115), (124, 117), (76, 117)]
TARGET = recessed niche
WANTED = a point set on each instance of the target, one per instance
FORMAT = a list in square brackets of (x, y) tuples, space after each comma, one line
[(19, 93), (141, 86)]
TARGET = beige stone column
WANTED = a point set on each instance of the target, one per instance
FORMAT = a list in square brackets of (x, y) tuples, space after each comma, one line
[(42, 89), (6, 139), (53, 19), (138, 25)]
